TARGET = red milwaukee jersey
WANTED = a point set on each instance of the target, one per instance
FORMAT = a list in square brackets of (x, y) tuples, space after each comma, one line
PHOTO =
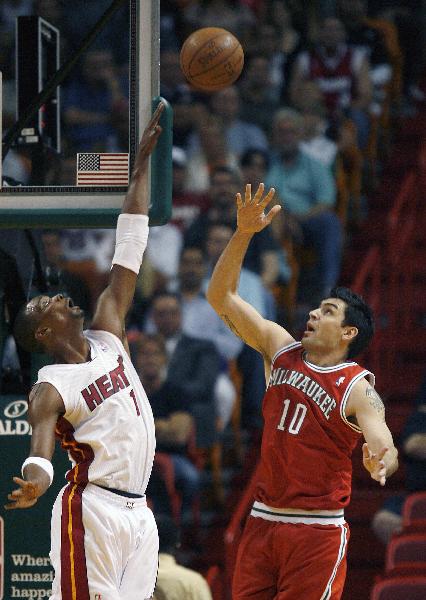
[(307, 439)]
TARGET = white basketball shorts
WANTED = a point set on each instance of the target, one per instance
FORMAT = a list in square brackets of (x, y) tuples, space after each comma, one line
[(103, 546)]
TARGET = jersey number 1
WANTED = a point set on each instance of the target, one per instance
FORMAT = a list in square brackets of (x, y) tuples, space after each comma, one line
[(296, 421), (133, 395)]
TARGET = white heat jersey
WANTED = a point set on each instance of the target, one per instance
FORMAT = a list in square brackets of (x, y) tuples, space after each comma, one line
[(108, 426)]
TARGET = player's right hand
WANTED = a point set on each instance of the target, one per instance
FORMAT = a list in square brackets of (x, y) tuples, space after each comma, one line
[(23, 497), (374, 463), (251, 216)]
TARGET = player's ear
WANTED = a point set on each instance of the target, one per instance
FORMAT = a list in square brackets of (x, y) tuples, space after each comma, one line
[(349, 333), (42, 333)]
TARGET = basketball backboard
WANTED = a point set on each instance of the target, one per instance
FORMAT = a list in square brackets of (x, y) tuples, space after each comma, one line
[(116, 111)]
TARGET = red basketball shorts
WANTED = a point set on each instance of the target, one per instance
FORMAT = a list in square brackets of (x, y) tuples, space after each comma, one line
[(288, 561)]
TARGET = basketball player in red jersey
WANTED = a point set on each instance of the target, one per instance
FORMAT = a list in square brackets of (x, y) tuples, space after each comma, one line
[(317, 404), (104, 541)]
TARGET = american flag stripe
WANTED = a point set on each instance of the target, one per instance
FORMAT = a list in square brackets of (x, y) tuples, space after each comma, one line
[(102, 169)]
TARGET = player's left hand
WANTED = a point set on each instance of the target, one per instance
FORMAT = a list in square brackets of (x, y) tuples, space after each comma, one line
[(251, 216), (23, 497), (374, 463)]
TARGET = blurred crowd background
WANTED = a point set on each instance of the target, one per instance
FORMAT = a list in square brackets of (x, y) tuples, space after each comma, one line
[(312, 114)]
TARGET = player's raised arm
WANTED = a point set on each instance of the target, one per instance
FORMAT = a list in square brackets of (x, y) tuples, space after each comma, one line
[(380, 457), (131, 239), (45, 406), (259, 333)]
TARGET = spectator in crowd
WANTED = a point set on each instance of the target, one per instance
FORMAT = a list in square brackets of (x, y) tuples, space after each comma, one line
[(229, 14), (200, 321), (175, 582), (262, 256), (173, 82), (388, 519), (249, 362), (207, 149), (266, 42), (240, 135), (174, 424), (91, 103), (80, 16), (378, 38), (194, 365), (260, 101), (307, 190), (63, 281), (342, 74), (186, 205), (315, 141)]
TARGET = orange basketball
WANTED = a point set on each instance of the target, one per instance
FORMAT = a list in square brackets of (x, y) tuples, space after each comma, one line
[(211, 59)]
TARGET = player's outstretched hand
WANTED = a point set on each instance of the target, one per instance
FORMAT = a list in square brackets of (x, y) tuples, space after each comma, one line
[(149, 139), (374, 463), (23, 497), (251, 215)]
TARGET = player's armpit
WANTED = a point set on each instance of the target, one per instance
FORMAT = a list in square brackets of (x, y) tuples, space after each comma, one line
[(242, 319)]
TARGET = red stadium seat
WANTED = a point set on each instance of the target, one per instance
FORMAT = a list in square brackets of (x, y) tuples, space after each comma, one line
[(405, 548), (400, 588), (414, 509)]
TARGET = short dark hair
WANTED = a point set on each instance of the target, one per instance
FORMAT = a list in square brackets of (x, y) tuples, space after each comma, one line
[(358, 314), (24, 329), (247, 157), (165, 294)]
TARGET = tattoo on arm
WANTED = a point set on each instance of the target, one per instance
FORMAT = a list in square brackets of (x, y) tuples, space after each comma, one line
[(238, 334), (375, 401), (232, 326)]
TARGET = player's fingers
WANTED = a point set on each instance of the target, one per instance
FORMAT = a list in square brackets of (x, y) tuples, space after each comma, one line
[(239, 200), (22, 482), (273, 213), (259, 193), (267, 199), (382, 453), (365, 451), (247, 195), (157, 114)]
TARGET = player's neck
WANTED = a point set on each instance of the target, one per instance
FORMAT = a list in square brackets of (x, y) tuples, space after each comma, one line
[(322, 359), (73, 350)]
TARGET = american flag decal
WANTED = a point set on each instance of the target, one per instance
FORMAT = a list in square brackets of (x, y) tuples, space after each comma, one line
[(102, 169)]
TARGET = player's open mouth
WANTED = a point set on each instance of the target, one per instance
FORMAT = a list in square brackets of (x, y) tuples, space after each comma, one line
[(309, 328)]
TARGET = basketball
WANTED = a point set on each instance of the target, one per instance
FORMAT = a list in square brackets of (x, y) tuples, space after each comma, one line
[(211, 59)]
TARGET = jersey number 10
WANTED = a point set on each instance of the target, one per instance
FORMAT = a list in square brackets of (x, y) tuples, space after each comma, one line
[(297, 419)]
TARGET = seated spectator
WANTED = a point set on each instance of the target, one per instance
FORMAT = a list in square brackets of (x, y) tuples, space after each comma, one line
[(220, 13), (90, 103), (379, 39), (342, 74), (61, 280), (249, 362), (193, 368), (315, 141), (199, 320), (239, 135), (207, 150), (173, 422), (260, 101), (262, 255), (307, 191), (186, 205), (388, 520), (163, 251), (175, 582)]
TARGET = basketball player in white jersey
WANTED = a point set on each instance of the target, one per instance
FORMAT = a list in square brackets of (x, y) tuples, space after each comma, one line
[(104, 541)]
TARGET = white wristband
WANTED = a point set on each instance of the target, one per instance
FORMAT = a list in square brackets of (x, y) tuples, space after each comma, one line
[(43, 463), (130, 241)]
